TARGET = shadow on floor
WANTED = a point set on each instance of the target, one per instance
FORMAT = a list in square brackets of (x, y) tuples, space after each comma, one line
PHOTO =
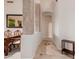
[(12, 53)]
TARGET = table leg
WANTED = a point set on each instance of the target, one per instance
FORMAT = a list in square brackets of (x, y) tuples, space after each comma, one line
[(6, 51)]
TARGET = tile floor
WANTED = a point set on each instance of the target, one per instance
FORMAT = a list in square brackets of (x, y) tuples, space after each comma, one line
[(46, 50), (15, 54)]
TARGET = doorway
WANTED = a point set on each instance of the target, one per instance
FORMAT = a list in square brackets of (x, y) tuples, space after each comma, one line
[(47, 26)]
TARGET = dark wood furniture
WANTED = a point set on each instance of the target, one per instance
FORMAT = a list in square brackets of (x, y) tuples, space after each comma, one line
[(8, 33), (66, 50), (7, 45), (8, 42), (17, 40)]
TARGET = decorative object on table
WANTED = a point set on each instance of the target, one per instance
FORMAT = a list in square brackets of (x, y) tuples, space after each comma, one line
[(14, 20)]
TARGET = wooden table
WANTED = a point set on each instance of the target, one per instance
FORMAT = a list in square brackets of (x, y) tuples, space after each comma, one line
[(7, 44), (66, 50)]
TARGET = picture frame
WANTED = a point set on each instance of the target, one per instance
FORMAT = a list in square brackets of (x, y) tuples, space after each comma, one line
[(14, 21)]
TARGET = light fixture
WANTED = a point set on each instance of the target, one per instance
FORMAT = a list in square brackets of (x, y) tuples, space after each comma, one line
[(56, 0), (10, 1)]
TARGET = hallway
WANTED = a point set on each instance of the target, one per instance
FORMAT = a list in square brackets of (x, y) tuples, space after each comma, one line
[(47, 50), (40, 21)]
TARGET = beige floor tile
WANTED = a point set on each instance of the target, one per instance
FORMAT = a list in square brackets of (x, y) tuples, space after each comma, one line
[(47, 50)]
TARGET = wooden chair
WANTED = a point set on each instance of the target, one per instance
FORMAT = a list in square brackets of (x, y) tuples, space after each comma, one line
[(7, 34), (16, 42), (7, 42)]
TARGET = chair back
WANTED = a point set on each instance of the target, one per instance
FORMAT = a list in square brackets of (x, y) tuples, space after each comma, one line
[(7, 34), (17, 33)]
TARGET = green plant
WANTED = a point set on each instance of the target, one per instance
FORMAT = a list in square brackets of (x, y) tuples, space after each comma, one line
[(11, 22)]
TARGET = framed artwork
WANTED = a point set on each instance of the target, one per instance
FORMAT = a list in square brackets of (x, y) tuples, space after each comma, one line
[(14, 21)]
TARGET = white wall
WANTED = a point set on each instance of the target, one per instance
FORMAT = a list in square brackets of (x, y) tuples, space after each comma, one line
[(29, 45), (13, 8), (64, 21)]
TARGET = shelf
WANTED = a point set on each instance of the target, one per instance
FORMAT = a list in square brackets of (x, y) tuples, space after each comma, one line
[(68, 51)]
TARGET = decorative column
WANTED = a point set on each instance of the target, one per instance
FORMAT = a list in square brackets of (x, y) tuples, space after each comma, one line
[(27, 39), (28, 17), (37, 17)]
